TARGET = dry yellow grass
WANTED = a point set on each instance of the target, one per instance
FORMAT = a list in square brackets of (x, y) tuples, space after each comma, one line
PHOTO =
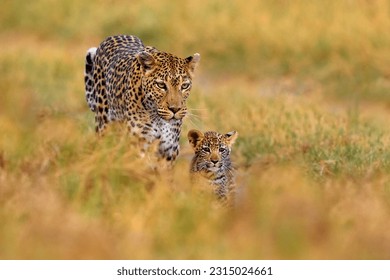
[(305, 84)]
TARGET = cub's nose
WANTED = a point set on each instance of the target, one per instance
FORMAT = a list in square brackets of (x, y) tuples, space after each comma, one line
[(215, 161), (174, 109)]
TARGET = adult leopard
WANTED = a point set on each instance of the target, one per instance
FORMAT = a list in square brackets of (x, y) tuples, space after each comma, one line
[(141, 86)]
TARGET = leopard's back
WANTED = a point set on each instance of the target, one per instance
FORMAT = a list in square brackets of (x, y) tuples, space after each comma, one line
[(112, 50)]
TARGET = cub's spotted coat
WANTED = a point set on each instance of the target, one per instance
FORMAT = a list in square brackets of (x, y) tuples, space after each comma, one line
[(212, 159)]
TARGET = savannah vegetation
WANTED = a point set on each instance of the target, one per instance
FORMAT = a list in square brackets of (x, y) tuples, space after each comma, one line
[(305, 83)]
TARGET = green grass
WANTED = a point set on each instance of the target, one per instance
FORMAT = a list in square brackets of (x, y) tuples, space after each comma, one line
[(304, 83)]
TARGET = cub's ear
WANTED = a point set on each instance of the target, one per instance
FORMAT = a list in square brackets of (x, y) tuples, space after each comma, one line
[(231, 137), (194, 137), (147, 60), (193, 61)]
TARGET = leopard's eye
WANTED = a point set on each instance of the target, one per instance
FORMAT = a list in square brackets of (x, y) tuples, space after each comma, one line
[(222, 149), (161, 85), (185, 86), (206, 149)]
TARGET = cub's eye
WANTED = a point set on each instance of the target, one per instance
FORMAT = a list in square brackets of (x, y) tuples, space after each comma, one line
[(161, 85), (185, 86), (206, 149), (222, 149)]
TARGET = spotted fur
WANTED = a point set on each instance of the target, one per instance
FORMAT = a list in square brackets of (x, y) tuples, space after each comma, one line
[(212, 159), (141, 86)]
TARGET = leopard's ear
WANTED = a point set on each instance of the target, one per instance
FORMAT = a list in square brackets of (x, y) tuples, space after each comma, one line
[(194, 137), (231, 137), (147, 60), (193, 61)]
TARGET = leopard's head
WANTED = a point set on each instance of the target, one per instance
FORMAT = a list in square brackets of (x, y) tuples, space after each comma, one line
[(212, 150), (167, 82)]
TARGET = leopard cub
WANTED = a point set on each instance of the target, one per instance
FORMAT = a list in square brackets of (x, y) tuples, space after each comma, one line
[(212, 159)]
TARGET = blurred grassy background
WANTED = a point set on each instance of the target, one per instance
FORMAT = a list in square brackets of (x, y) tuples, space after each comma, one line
[(305, 83)]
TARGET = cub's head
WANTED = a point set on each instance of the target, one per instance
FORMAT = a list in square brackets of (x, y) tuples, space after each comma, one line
[(212, 150), (167, 81)]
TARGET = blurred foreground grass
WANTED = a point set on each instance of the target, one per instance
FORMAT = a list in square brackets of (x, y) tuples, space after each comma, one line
[(305, 84)]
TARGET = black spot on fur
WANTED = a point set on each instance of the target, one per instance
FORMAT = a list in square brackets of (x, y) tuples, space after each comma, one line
[(89, 58), (88, 68)]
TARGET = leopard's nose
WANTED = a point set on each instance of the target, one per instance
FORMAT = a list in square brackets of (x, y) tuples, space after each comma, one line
[(215, 161), (174, 109)]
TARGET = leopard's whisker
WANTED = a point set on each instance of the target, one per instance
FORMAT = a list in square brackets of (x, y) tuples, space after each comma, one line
[(193, 123), (193, 115), (197, 109)]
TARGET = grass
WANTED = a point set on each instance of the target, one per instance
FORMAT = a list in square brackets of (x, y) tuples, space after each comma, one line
[(304, 83)]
